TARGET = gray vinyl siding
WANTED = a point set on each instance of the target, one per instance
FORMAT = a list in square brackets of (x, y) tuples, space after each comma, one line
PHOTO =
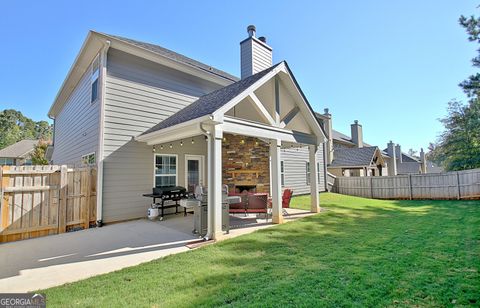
[(77, 125), (262, 58), (139, 94), (254, 58), (294, 162)]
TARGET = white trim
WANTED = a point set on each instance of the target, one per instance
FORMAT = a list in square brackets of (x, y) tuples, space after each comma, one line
[(154, 166), (238, 126), (201, 159), (159, 136), (311, 119), (249, 90), (101, 129), (262, 110)]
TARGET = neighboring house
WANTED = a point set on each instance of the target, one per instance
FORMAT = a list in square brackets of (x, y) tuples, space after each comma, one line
[(147, 116), (351, 156), (404, 163), (433, 167), (18, 154)]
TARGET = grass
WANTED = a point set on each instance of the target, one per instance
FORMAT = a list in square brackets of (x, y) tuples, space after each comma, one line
[(360, 252)]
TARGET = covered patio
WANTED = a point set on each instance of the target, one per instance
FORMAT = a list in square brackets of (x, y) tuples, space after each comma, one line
[(268, 107)]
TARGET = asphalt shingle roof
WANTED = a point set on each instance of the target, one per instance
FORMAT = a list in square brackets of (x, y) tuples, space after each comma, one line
[(174, 56), (350, 157), (408, 168), (18, 149), (209, 103)]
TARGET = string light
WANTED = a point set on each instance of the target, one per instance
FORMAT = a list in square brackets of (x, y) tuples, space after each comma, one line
[(193, 141), (153, 150), (242, 141), (161, 147), (171, 145), (181, 143)]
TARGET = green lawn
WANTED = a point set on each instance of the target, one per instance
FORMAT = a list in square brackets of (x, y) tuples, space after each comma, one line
[(360, 252)]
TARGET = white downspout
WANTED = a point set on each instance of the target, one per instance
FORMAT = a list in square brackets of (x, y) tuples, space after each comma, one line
[(101, 131), (209, 234)]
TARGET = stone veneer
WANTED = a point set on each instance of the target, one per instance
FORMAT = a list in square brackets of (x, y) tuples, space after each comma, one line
[(241, 153)]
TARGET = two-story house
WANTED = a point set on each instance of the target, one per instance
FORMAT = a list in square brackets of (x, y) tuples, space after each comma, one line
[(149, 117)]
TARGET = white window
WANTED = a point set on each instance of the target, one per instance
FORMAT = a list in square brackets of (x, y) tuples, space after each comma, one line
[(165, 170), (5, 161), (95, 75), (89, 159), (307, 172), (282, 174)]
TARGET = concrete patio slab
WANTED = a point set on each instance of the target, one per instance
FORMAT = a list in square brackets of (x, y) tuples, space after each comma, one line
[(58, 259)]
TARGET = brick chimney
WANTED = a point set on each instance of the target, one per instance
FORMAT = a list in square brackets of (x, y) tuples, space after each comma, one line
[(423, 161), (328, 127), (255, 54), (357, 134), (392, 165), (398, 153)]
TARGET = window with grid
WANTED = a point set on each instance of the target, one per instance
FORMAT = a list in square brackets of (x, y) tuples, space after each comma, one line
[(89, 159), (94, 80), (165, 170)]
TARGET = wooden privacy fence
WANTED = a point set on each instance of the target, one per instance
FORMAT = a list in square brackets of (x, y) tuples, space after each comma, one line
[(41, 200), (450, 185)]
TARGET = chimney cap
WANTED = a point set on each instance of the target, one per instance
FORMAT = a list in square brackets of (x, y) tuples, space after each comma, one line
[(326, 111), (263, 39), (251, 30), (356, 121)]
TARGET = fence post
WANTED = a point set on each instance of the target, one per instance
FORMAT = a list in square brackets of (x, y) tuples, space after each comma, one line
[(458, 187), (62, 209), (371, 187), (5, 179), (88, 187), (410, 184)]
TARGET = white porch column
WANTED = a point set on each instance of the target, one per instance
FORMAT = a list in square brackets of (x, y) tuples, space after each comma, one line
[(215, 182), (276, 188), (312, 149)]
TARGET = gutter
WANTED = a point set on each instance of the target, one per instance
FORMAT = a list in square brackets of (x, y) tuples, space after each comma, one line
[(100, 154)]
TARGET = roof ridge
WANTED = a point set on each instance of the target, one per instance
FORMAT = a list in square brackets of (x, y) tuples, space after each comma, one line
[(175, 56)]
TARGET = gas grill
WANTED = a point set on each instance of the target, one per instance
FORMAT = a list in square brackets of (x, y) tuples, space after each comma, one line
[(171, 193)]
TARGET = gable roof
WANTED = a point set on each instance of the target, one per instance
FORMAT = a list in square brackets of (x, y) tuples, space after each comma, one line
[(167, 53), (19, 149), (341, 137), (209, 103), (353, 157), (97, 41), (406, 158)]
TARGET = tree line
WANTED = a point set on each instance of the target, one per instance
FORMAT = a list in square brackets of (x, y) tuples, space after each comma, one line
[(14, 127), (458, 146)]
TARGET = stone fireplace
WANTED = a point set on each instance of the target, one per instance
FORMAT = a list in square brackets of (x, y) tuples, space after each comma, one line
[(246, 165)]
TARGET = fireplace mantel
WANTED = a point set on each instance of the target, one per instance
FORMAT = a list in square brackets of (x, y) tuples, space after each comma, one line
[(234, 172)]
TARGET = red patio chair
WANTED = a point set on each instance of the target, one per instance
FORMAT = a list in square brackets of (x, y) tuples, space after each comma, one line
[(286, 198)]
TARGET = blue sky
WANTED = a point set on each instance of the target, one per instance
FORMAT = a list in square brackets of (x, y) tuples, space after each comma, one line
[(392, 65)]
